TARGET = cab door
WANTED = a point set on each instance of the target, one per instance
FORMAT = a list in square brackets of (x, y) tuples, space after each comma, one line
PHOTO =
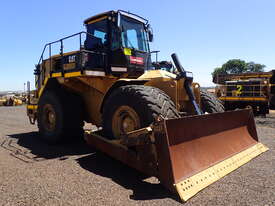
[(118, 60), (97, 44)]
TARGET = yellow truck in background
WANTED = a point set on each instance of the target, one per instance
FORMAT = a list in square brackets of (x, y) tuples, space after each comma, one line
[(256, 90)]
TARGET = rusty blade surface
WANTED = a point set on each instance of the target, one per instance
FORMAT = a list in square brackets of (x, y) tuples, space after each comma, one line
[(192, 144)]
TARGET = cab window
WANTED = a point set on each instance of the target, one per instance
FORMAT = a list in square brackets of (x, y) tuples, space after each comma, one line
[(98, 38)]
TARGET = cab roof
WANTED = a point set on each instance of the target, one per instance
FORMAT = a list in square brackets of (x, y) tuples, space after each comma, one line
[(107, 13), (111, 12)]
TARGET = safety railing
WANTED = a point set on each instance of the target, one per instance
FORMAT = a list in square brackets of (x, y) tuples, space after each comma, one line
[(39, 71), (61, 41)]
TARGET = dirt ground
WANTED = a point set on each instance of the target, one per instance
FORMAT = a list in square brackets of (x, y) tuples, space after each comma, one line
[(33, 173)]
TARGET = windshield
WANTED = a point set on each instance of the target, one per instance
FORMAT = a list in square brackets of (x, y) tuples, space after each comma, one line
[(133, 34)]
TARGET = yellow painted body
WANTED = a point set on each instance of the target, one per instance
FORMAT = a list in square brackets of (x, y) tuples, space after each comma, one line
[(93, 88)]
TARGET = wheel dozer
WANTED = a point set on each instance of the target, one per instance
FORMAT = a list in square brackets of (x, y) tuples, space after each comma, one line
[(160, 123)]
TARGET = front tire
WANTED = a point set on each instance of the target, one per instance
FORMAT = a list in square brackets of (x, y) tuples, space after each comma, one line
[(133, 107)]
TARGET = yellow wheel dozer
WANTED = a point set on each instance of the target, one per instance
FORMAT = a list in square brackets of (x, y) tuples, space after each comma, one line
[(157, 121)]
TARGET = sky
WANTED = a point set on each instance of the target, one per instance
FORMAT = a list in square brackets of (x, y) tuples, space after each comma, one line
[(204, 33)]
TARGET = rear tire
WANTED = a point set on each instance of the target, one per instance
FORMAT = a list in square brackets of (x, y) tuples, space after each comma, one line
[(210, 103), (50, 117), (133, 107), (59, 117)]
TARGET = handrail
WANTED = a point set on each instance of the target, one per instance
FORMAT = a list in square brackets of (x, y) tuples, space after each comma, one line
[(155, 52), (61, 40), (39, 69)]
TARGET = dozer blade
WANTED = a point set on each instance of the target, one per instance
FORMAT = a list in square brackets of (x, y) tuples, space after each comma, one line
[(195, 151)]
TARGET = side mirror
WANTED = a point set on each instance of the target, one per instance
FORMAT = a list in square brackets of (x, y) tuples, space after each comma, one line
[(151, 36), (150, 33)]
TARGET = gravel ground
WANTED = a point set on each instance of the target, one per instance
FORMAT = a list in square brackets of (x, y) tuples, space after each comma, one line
[(33, 173)]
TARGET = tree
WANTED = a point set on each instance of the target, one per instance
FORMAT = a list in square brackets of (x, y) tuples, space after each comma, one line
[(252, 67), (237, 66), (234, 66), (218, 70)]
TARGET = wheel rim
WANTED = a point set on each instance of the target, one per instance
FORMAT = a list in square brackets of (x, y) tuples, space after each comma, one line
[(49, 117), (125, 119)]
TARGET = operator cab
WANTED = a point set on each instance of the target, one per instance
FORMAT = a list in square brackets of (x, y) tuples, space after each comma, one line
[(116, 43), (119, 42)]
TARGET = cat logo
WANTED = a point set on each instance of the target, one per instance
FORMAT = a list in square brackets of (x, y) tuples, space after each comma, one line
[(72, 59)]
